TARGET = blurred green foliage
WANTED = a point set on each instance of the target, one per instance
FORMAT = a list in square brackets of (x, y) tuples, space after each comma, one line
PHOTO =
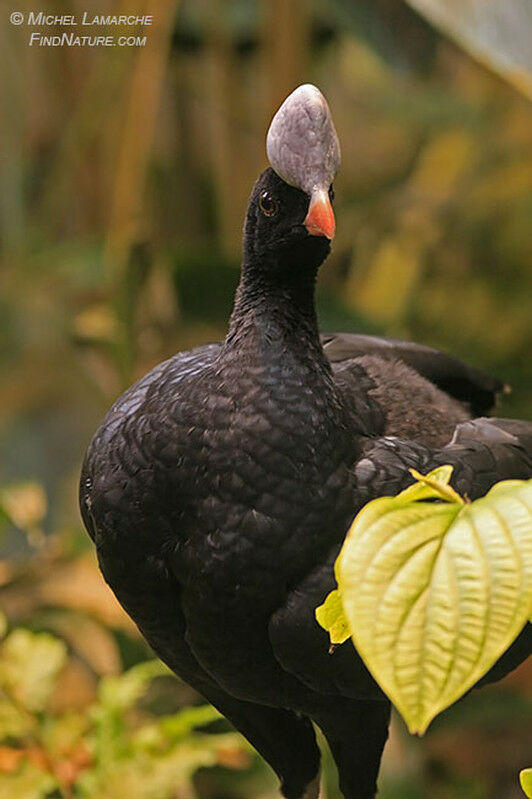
[(112, 747), (123, 184)]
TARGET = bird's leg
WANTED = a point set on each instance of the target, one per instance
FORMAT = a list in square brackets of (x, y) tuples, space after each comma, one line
[(285, 740), (356, 732), (312, 791)]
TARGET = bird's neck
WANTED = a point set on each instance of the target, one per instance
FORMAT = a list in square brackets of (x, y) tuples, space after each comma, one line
[(275, 315)]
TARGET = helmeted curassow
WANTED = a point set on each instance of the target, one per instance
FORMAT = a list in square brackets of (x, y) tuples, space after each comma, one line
[(219, 488)]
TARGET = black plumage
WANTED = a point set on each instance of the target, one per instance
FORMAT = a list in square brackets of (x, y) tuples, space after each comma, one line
[(219, 488)]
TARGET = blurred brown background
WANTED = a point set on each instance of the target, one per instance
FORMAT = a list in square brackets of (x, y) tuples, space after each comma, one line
[(124, 176)]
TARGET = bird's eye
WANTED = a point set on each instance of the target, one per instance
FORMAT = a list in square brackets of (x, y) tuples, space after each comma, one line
[(331, 193), (267, 204)]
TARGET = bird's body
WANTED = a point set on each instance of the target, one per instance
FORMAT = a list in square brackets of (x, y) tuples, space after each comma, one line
[(219, 488)]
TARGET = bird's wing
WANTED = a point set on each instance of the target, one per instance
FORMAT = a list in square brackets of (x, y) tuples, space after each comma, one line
[(482, 452), (470, 386)]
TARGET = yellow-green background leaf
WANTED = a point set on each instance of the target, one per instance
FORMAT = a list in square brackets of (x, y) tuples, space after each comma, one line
[(28, 782), (434, 485), (29, 666), (435, 593), (331, 617), (525, 778)]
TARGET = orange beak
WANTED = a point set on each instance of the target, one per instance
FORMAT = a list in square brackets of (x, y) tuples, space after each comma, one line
[(320, 218)]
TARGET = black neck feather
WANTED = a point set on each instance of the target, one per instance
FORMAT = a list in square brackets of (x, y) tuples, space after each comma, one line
[(275, 310)]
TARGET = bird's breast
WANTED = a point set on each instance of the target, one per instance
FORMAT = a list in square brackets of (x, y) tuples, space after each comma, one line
[(268, 501)]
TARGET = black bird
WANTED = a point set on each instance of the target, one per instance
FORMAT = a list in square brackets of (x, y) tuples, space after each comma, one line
[(219, 488)]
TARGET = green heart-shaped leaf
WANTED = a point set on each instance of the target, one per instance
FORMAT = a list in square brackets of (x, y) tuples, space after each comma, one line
[(434, 593)]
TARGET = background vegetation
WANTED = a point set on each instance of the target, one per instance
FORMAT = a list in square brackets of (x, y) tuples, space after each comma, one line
[(123, 183)]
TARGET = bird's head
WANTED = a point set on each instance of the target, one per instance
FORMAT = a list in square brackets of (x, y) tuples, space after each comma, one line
[(290, 209)]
